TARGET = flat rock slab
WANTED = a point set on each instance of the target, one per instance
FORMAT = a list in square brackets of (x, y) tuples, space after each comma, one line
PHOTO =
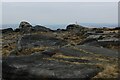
[(99, 50), (27, 41), (76, 55), (69, 51), (36, 66)]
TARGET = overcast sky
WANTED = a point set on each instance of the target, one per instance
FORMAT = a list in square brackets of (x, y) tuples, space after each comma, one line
[(60, 0), (59, 12)]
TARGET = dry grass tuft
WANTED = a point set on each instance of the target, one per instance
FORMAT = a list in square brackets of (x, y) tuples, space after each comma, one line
[(110, 71)]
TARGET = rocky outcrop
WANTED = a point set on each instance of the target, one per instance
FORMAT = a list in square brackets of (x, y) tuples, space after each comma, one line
[(25, 27), (8, 30), (74, 26), (41, 28), (76, 29)]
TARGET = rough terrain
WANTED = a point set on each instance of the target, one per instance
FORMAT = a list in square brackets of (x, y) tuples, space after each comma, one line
[(36, 52)]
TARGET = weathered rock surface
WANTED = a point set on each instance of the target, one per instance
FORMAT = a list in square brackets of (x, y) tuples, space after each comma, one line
[(36, 66), (99, 50), (40, 41)]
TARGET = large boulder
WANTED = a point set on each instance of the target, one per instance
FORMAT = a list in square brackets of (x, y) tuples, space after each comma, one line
[(25, 27), (74, 28), (24, 24)]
